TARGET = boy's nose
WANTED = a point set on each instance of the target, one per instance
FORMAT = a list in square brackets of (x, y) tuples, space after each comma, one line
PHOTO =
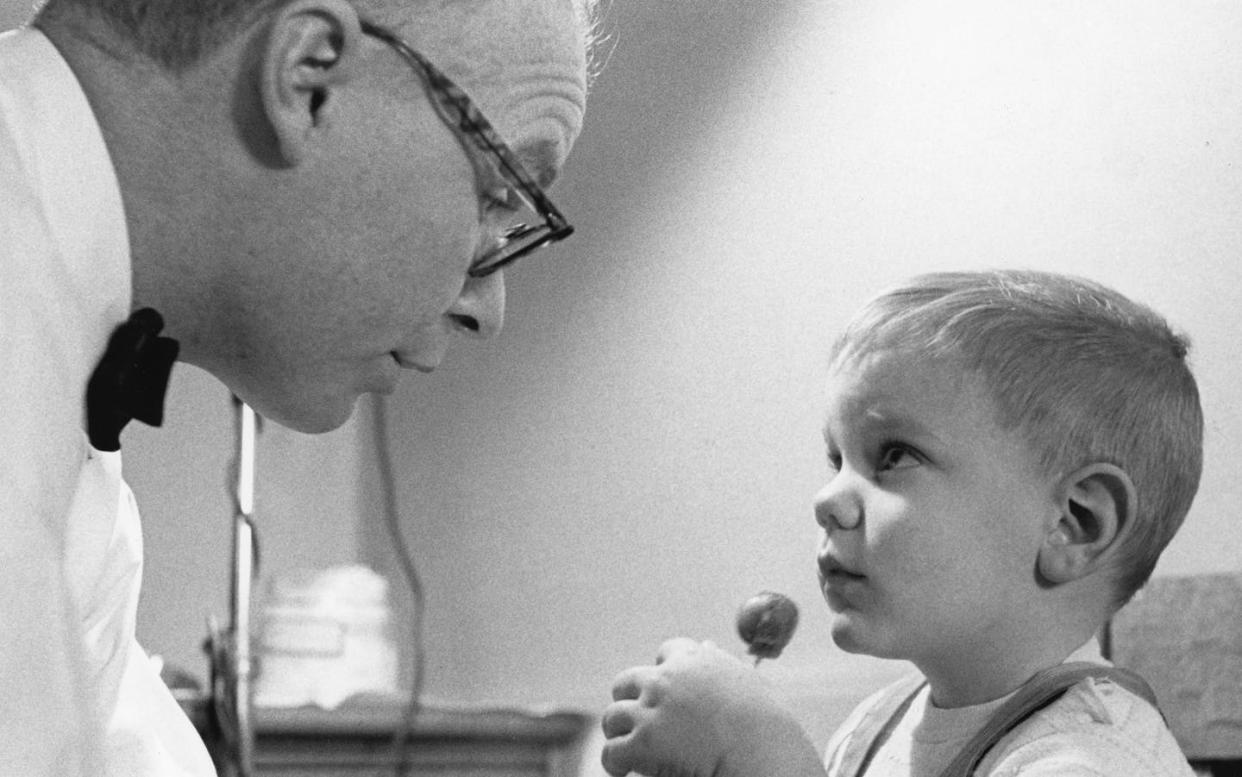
[(837, 507)]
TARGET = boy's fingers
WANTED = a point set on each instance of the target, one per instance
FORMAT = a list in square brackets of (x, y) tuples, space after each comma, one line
[(612, 760), (675, 646), (620, 756), (629, 684), (618, 719)]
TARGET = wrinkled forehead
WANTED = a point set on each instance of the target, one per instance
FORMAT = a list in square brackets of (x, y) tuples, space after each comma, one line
[(504, 51)]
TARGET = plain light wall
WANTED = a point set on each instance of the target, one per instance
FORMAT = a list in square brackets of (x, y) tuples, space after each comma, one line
[(637, 453)]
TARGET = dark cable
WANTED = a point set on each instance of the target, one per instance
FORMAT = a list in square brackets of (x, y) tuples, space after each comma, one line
[(405, 561)]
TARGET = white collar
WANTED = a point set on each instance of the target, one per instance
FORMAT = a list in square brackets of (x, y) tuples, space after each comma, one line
[(61, 147)]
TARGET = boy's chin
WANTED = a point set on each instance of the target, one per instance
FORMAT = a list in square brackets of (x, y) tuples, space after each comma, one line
[(845, 635), (852, 636)]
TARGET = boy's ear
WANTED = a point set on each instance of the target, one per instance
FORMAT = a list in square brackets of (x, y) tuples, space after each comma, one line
[(1096, 506), (311, 50)]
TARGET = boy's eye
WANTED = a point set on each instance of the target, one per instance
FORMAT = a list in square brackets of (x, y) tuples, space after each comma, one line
[(894, 456)]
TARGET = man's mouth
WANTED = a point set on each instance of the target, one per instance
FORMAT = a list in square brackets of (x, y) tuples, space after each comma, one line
[(407, 364)]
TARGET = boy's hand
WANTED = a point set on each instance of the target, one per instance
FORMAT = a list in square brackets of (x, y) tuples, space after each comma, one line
[(700, 712)]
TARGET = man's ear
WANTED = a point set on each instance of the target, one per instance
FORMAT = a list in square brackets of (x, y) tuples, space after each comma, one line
[(1096, 505), (310, 52)]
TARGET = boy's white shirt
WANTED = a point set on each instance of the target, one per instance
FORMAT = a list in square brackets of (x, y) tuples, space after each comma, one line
[(1097, 729)]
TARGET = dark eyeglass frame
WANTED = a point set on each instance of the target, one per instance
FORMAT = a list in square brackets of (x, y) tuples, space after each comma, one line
[(461, 113)]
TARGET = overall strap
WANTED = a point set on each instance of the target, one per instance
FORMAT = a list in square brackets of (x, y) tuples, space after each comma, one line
[(1038, 692), (877, 724)]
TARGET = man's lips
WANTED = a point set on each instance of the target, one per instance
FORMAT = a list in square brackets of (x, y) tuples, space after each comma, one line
[(409, 364)]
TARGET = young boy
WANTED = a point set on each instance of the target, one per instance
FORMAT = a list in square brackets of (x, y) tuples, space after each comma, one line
[(1009, 453)]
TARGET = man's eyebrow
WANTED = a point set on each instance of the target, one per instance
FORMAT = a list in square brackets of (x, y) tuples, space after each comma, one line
[(541, 158)]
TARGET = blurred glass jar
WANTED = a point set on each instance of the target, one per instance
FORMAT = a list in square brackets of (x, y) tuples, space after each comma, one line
[(325, 636)]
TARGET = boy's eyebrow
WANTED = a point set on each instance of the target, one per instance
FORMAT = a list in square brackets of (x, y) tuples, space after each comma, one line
[(876, 420)]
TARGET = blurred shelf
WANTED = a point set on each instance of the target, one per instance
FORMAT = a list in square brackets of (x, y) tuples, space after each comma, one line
[(358, 737)]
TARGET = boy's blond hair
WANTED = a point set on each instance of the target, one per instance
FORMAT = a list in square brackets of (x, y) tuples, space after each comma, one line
[(1083, 373)]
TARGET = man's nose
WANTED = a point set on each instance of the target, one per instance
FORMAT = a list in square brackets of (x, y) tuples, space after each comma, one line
[(480, 308)]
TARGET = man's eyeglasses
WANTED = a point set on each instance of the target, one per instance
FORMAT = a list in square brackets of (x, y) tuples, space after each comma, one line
[(460, 112)]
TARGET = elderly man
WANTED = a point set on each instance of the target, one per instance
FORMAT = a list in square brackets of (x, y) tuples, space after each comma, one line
[(309, 201)]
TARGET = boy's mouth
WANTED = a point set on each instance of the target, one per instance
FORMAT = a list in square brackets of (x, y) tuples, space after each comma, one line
[(830, 568)]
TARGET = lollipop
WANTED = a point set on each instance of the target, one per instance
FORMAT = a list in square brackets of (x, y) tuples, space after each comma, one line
[(766, 622)]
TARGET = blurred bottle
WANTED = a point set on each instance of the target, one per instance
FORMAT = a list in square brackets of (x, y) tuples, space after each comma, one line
[(325, 636)]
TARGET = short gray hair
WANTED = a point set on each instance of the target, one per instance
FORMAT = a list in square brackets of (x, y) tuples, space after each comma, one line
[(177, 34)]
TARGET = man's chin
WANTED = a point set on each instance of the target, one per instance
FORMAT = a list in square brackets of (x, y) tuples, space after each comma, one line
[(309, 417)]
